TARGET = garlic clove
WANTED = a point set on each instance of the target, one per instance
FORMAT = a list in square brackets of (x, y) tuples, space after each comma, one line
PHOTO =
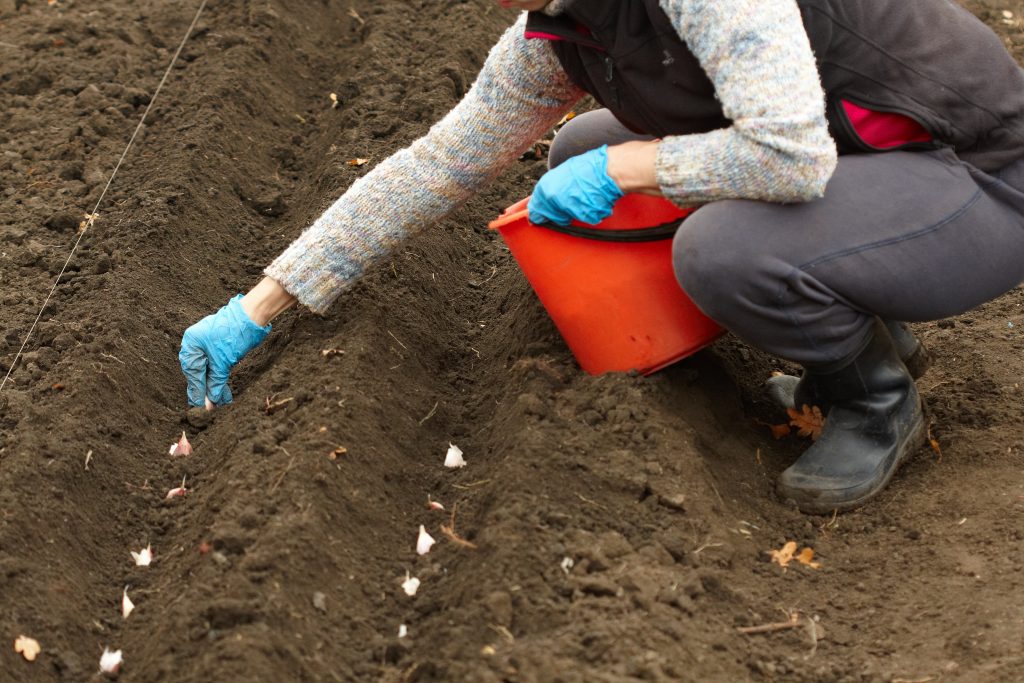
[(433, 504), (402, 631), (182, 447), (177, 492), (126, 604), (144, 557), (410, 585), (454, 457), (424, 542), (110, 663)]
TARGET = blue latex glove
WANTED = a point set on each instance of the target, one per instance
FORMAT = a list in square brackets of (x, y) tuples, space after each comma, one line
[(577, 189), (214, 345)]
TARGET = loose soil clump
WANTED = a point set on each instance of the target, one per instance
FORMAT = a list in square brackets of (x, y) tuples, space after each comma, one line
[(620, 524)]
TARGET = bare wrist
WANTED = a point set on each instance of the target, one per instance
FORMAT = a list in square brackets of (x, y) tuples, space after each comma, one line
[(631, 166), (266, 301)]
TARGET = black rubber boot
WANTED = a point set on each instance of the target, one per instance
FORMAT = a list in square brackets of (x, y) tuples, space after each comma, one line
[(874, 422), (784, 389)]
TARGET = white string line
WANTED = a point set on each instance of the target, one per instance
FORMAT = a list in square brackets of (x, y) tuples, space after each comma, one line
[(91, 218)]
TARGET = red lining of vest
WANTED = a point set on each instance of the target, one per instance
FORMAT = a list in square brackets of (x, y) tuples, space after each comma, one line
[(541, 35), (884, 130)]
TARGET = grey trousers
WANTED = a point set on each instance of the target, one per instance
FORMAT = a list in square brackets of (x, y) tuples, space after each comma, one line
[(910, 236)]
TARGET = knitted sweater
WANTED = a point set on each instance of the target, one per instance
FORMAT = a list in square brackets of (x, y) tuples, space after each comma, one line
[(756, 53)]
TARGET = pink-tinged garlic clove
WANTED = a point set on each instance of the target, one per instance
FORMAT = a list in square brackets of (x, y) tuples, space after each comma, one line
[(182, 447), (424, 542), (433, 504), (178, 492)]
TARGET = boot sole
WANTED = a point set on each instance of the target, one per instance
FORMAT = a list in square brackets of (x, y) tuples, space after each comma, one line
[(915, 440)]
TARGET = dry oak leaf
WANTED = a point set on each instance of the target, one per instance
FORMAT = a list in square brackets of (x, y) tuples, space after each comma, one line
[(934, 443), (27, 647), (788, 553), (784, 556), (806, 558), (808, 421)]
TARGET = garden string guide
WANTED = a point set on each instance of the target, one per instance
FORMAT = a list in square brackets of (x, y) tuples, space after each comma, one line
[(90, 218)]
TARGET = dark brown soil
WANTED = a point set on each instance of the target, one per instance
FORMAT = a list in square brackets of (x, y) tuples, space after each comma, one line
[(282, 564)]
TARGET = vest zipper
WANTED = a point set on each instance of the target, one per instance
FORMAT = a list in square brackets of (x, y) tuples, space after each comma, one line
[(609, 77)]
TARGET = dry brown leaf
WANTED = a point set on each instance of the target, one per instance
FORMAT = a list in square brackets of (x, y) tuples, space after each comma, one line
[(357, 162), (27, 647), (788, 553), (934, 443), (88, 221), (806, 558), (784, 556), (780, 431), (808, 421)]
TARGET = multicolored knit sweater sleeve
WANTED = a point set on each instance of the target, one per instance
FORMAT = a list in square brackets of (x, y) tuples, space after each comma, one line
[(520, 94), (778, 149), (756, 53)]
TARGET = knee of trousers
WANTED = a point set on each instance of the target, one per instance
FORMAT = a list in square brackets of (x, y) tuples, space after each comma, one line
[(722, 265), (589, 131), (574, 138)]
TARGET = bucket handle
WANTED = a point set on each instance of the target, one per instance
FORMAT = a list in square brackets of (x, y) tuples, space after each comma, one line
[(664, 231)]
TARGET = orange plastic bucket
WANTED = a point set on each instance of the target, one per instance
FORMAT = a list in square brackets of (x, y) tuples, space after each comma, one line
[(610, 288)]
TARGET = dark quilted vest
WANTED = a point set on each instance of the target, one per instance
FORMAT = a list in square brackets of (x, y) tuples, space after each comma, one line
[(930, 60)]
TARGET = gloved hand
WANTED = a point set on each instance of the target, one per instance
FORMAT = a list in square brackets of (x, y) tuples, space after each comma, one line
[(214, 345), (576, 189)]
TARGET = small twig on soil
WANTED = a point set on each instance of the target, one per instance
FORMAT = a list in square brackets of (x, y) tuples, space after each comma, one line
[(449, 531), (280, 477), (475, 351), (3, 44), (112, 357), (355, 15), (795, 621), (397, 340), (431, 413), (592, 502), (503, 632), (830, 524), (705, 546), (717, 494), (812, 633), (272, 407), (473, 485), (926, 679), (88, 457)]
